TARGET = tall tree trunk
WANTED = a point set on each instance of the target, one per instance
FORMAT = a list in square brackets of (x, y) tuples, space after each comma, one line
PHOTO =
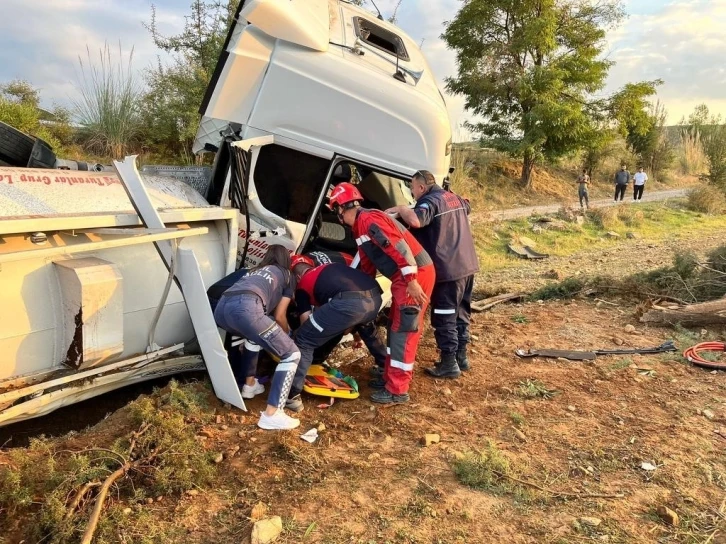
[(527, 167)]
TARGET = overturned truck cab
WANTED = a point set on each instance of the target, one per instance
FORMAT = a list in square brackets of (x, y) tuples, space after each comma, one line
[(306, 94)]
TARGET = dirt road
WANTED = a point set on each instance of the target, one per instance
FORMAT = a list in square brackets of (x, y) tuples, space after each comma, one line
[(516, 213)]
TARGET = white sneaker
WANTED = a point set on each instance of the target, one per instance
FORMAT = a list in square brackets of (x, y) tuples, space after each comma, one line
[(279, 420), (251, 391)]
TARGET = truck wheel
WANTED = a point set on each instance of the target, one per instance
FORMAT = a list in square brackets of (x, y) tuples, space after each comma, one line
[(15, 146)]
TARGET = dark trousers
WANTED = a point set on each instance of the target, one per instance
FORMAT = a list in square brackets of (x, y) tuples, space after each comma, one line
[(331, 320), (620, 190), (451, 314), (244, 315), (638, 191), (584, 196)]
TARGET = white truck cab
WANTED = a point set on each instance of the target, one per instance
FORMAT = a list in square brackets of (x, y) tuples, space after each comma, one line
[(306, 94)]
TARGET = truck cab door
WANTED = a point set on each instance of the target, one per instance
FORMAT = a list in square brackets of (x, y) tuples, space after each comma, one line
[(276, 185)]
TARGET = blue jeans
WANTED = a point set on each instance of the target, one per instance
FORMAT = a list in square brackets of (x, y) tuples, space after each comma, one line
[(244, 315)]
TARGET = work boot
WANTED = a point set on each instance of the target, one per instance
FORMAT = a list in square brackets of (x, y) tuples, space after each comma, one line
[(294, 404), (447, 368), (384, 396), (376, 371), (377, 383), (462, 360)]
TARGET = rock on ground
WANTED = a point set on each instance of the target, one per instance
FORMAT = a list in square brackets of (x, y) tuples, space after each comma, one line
[(668, 515), (266, 530)]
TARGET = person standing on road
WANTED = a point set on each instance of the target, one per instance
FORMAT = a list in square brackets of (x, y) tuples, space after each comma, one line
[(244, 311), (622, 178), (343, 298), (385, 245), (583, 181), (639, 180), (440, 223)]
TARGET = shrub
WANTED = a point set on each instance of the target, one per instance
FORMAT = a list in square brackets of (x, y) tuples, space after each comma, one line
[(535, 389), (567, 288), (631, 217), (484, 470), (707, 199), (605, 218)]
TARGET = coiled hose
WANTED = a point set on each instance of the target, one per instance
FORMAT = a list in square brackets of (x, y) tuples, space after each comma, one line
[(692, 355)]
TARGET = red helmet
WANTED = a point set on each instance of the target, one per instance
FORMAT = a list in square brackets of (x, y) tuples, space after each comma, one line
[(300, 259), (342, 194)]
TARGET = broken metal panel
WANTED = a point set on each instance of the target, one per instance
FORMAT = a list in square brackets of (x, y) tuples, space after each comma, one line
[(189, 279), (48, 400), (93, 312)]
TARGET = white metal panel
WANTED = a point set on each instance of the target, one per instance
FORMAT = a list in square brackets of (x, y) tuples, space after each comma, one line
[(31, 352), (367, 115), (303, 22), (31, 324), (92, 294), (236, 92), (190, 279)]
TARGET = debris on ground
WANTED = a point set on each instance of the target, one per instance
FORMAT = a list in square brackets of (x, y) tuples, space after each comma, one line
[(267, 530), (668, 515), (430, 439)]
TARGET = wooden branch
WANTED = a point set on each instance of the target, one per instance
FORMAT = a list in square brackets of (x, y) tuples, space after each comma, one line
[(485, 304), (79, 497), (112, 479), (559, 493), (706, 313), (100, 499)]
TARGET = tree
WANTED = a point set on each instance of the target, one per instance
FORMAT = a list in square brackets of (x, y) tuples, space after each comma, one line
[(175, 91), (713, 139), (20, 108), (528, 68), (642, 124)]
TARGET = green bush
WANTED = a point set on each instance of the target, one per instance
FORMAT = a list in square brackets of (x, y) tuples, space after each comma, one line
[(567, 288)]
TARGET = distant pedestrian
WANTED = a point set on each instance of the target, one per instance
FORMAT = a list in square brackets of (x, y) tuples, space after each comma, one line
[(622, 178), (583, 181), (639, 180)]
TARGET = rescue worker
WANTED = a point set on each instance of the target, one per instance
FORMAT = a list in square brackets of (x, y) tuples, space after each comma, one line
[(244, 310), (385, 245), (327, 257), (344, 298), (440, 223)]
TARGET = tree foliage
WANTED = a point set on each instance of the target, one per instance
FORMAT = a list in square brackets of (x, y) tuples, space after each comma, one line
[(20, 108), (176, 90), (712, 130), (528, 69)]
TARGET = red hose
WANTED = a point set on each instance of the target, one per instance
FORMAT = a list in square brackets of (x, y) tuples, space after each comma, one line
[(691, 354)]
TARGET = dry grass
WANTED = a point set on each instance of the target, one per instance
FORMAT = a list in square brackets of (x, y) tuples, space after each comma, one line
[(692, 159), (708, 200), (606, 218)]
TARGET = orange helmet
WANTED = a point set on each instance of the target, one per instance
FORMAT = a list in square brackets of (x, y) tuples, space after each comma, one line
[(301, 259), (342, 194)]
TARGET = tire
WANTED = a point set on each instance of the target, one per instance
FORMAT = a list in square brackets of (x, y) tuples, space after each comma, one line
[(15, 146)]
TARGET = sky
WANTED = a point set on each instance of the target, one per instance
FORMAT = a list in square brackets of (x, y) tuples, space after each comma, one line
[(681, 42)]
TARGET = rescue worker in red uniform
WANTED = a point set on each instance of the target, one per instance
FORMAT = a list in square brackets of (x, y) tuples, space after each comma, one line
[(332, 299), (440, 223), (385, 245), (328, 257)]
